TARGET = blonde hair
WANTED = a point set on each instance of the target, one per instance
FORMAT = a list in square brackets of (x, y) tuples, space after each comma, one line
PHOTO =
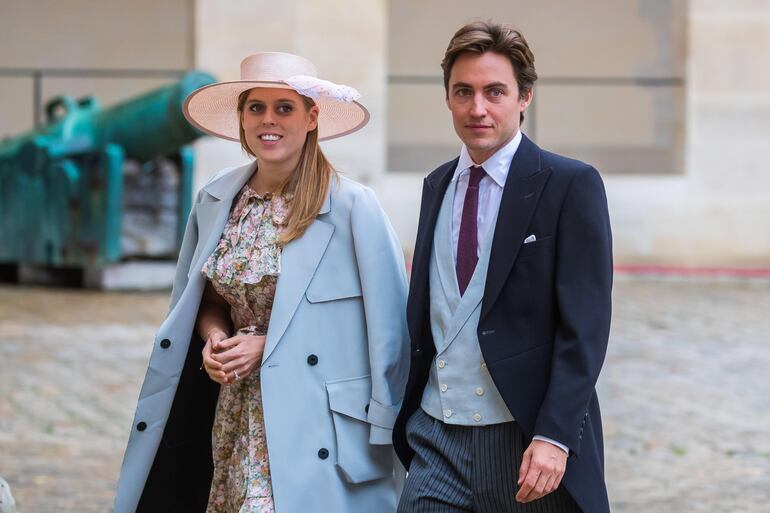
[(309, 183)]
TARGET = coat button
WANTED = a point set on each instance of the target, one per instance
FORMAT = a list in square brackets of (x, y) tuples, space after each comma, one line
[(312, 359), (165, 343), (323, 453), (141, 426)]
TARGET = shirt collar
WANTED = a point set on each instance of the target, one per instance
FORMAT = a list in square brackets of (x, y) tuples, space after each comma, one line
[(496, 166)]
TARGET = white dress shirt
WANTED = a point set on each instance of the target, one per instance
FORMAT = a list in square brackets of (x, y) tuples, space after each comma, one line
[(490, 195), (490, 189)]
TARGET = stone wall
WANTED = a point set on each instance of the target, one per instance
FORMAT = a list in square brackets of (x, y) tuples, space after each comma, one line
[(716, 212)]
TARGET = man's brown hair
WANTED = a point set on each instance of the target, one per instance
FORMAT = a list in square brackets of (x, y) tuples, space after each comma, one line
[(487, 36)]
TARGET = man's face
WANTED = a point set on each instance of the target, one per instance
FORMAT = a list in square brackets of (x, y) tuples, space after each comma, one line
[(484, 99)]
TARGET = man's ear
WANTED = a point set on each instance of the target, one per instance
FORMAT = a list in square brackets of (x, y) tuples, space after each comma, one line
[(526, 99)]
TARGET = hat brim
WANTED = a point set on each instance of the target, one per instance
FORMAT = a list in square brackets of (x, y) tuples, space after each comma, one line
[(213, 109)]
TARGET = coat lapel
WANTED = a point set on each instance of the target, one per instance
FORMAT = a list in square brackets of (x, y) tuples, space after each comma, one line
[(520, 196), (442, 256), (299, 260), (433, 195), (473, 294), (212, 212), (209, 215)]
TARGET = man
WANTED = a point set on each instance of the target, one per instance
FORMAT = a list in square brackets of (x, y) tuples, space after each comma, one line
[(509, 306)]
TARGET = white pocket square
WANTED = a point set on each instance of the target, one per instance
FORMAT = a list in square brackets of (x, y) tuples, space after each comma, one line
[(529, 239)]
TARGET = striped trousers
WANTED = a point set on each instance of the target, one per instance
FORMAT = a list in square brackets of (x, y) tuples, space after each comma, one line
[(464, 469)]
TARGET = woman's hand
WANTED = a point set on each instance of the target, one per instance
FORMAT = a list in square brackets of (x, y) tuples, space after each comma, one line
[(213, 367), (237, 356)]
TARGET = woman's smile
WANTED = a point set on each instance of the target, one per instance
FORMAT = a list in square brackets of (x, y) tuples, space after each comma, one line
[(269, 139)]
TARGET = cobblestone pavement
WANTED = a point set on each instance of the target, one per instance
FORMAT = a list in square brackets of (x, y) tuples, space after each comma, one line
[(685, 395)]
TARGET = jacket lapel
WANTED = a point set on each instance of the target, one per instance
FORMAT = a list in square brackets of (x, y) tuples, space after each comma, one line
[(473, 294), (520, 196), (433, 195), (299, 260), (212, 212), (208, 215)]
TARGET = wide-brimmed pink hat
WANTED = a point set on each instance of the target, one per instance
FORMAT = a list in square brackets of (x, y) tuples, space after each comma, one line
[(213, 109)]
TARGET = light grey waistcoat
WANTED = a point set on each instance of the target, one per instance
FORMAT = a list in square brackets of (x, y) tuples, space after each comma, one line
[(460, 389)]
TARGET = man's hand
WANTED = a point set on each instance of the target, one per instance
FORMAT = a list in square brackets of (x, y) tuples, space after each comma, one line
[(542, 468)]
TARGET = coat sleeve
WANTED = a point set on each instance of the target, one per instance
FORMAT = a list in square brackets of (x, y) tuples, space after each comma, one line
[(583, 293), (382, 273)]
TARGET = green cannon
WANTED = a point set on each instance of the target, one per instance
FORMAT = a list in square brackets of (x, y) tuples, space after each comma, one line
[(95, 187)]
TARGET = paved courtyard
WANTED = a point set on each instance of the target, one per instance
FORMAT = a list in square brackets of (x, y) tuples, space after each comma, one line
[(685, 395)]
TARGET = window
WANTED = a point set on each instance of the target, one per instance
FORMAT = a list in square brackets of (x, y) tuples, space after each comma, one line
[(610, 92)]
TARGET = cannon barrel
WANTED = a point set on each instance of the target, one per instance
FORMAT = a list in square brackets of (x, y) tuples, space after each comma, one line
[(151, 125), (98, 187), (146, 127)]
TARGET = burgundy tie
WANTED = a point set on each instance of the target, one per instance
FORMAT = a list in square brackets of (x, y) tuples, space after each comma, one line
[(467, 242)]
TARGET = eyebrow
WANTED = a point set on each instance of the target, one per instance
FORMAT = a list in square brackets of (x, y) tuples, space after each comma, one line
[(287, 100), (459, 85)]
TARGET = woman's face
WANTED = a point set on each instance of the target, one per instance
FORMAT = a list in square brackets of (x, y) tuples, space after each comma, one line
[(275, 124)]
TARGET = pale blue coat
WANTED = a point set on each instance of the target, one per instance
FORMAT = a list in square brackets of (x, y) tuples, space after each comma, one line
[(341, 296)]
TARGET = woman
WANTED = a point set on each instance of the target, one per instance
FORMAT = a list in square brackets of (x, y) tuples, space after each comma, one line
[(277, 375)]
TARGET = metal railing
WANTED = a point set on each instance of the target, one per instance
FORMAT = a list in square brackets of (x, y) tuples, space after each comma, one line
[(39, 74), (554, 81)]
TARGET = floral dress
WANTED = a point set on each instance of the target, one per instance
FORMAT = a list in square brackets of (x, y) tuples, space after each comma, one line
[(244, 269)]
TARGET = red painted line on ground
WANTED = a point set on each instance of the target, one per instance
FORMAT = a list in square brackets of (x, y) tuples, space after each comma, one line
[(671, 270), (668, 270)]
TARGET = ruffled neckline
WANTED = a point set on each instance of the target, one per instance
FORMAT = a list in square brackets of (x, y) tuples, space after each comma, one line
[(249, 248)]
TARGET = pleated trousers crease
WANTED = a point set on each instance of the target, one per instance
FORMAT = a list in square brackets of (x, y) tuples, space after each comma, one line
[(469, 469)]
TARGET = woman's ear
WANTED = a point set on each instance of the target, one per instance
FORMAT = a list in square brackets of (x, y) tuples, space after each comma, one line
[(313, 118)]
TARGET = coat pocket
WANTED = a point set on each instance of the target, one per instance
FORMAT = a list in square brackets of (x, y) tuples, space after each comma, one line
[(334, 282), (357, 459), (535, 247), (323, 289)]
